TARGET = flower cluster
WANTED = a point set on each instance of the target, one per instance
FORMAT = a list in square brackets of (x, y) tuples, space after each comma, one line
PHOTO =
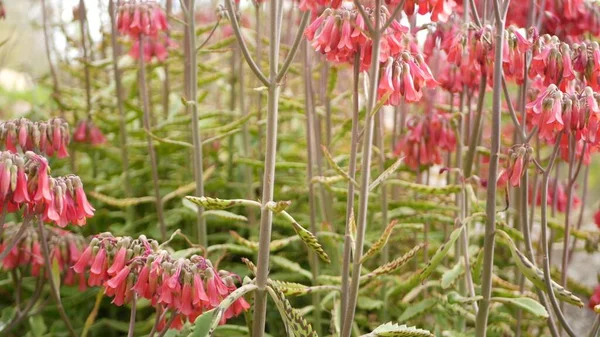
[(340, 34), (2, 11), (595, 298), (49, 137), (597, 218), (519, 156), (125, 266), (137, 18), (570, 19), (24, 181), (575, 112), (65, 248), (87, 132), (428, 137), (315, 5), (463, 55), (440, 9), (515, 49), (145, 20), (404, 76), (557, 189), (154, 47)]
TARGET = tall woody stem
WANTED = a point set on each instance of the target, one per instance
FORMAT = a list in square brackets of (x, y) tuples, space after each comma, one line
[(86, 67), (490, 228), (351, 174), (53, 74), (153, 161), (118, 92), (363, 200), (311, 148), (166, 82), (191, 86), (266, 216), (272, 82)]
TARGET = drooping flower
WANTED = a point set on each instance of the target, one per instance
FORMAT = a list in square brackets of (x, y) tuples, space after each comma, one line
[(87, 132), (48, 137), (124, 266), (141, 18), (65, 248), (341, 33), (427, 138)]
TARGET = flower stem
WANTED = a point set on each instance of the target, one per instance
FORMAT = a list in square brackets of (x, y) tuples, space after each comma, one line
[(143, 87), (54, 290), (15, 239), (544, 239), (571, 178), (490, 228), (191, 86), (131, 331), (584, 195), (349, 309), (39, 286)]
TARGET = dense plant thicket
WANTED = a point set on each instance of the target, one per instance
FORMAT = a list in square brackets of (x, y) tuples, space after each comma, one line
[(306, 168)]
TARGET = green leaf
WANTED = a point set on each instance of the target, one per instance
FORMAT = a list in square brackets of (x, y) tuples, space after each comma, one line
[(56, 275), (386, 174), (242, 241), (524, 303), (335, 166), (37, 325), (290, 265), (426, 189), (307, 237), (394, 265), (451, 275), (380, 243), (439, 255), (215, 203), (293, 320), (478, 265), (332, 80), (203, 324), (535, 275), (225, 215), (416, 309), (394, 330), (367, 303)]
